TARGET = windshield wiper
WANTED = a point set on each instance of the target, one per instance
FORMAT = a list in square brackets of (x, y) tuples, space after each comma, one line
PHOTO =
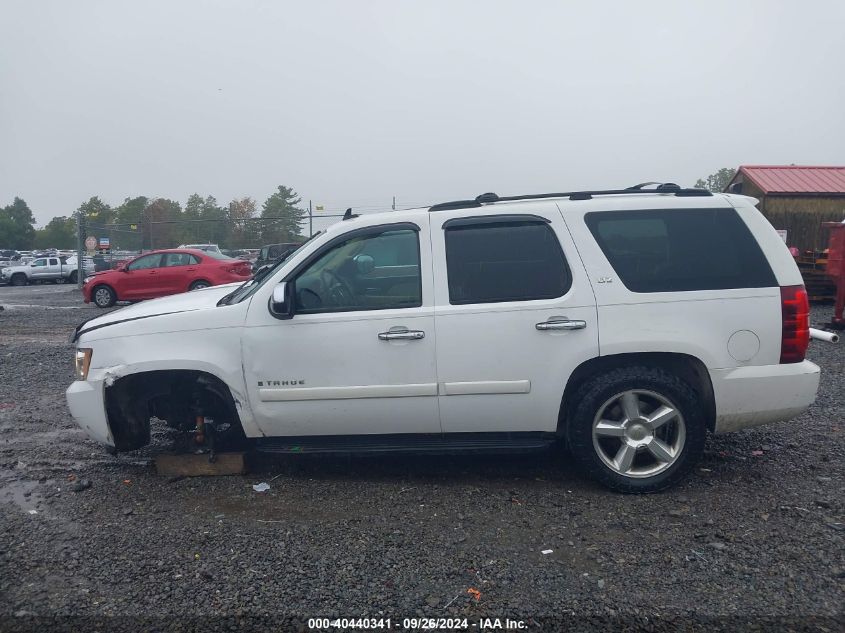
[(260, 274)]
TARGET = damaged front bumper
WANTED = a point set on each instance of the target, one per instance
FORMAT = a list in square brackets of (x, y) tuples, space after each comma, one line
[(87, 404)]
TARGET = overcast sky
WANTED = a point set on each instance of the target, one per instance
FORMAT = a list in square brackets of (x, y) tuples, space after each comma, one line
[(352, 103)]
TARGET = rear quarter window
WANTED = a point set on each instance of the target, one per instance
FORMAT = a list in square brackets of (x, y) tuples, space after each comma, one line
[(675, 250)]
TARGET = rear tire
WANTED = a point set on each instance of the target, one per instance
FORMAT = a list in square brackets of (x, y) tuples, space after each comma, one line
[(19, 279), (103, 296), (199, 285), (636, 429)]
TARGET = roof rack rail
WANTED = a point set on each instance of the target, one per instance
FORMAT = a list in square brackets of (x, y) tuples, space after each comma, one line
[(487, 198)]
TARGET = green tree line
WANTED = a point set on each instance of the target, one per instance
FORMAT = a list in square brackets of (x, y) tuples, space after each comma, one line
[(143, 223)]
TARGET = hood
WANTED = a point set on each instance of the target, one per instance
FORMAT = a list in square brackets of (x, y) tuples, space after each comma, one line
[(203, 299)]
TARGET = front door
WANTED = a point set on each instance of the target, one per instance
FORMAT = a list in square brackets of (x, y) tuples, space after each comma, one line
[(358, 355), (515, 315), (38, 269), (141, 279)]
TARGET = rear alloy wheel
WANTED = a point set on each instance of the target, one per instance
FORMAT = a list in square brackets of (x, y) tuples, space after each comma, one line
[(199, 285), (637, 429), (623, 433), (104, 297)]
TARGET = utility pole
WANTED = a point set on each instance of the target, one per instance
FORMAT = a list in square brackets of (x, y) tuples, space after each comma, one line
[(80, 225), (310, 220)]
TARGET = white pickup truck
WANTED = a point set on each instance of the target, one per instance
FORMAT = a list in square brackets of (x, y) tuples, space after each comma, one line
[(46, 269), (625, 324)]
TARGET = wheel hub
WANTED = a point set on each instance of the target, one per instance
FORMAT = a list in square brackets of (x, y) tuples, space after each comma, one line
[(636, 432)]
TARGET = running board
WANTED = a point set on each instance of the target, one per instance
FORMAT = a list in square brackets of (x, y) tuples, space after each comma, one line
[(410, 443)]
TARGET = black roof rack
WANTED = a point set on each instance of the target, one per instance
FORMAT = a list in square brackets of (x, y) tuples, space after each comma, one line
[(487, 198)]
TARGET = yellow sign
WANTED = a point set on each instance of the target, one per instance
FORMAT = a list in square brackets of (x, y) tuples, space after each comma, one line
[(319, 207)]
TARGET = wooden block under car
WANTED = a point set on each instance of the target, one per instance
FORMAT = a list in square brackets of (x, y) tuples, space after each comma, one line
[(188, 465)]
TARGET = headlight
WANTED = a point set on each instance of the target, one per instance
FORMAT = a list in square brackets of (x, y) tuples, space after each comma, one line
[(88, 279), (83, 361)]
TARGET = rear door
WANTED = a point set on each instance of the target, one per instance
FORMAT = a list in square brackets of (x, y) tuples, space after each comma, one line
[(514, 315), (176, 272), (54, 268)]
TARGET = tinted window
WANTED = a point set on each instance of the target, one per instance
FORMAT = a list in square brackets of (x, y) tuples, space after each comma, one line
[(507, 261), (681, 250), (147, 261), (54, 262), (370, 272), (39, 262)]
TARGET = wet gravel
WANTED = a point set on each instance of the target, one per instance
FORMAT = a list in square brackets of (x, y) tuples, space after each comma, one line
[(754, 537)]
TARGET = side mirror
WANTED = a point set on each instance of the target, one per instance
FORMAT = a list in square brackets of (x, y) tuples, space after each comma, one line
[(281, 305), (365, 264)]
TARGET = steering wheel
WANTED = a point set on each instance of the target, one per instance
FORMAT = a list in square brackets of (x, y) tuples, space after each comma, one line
[(339, 292)]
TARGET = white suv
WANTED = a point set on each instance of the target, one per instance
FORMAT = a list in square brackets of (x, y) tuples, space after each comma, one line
[(626, 324)]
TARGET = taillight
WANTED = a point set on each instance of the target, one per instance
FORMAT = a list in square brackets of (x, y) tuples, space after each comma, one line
[(238, 269), (795, 308)]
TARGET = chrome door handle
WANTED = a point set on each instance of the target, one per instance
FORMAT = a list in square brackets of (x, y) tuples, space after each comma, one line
[(399, 335), (561, 324)]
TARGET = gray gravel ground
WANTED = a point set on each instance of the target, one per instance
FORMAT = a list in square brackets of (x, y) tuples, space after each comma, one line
[(753, 538)]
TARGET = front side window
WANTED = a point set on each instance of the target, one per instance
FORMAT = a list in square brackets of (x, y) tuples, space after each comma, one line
[(373, 271), (675, 250), (39, 262), (511, 260), (145, 262)]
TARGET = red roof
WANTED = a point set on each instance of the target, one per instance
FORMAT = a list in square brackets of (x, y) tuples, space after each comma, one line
[(796, 179)]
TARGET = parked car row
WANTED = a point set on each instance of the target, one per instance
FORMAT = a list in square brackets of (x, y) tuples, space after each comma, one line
[(118, 276), (161, 273)]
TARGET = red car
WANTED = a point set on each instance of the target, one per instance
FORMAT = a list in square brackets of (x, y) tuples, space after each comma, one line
[(161, 273)]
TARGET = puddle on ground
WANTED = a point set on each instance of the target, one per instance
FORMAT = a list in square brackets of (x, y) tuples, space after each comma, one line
[(21, 493)]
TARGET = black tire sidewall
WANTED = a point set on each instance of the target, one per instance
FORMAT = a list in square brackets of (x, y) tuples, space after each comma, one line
[(16, 278), (199, 284), (591, 396)]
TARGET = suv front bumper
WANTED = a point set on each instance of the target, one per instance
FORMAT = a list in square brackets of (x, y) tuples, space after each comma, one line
[(86, 402), (751, 396)]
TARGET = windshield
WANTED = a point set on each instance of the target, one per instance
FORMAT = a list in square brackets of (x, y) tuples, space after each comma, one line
[(248, 288)]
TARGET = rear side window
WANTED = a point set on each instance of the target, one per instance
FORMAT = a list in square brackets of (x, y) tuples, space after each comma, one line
[(504, 261), (670, 250), (179, 259)]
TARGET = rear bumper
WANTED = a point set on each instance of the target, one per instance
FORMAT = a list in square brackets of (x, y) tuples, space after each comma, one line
[(751, 396), (86, 402)]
